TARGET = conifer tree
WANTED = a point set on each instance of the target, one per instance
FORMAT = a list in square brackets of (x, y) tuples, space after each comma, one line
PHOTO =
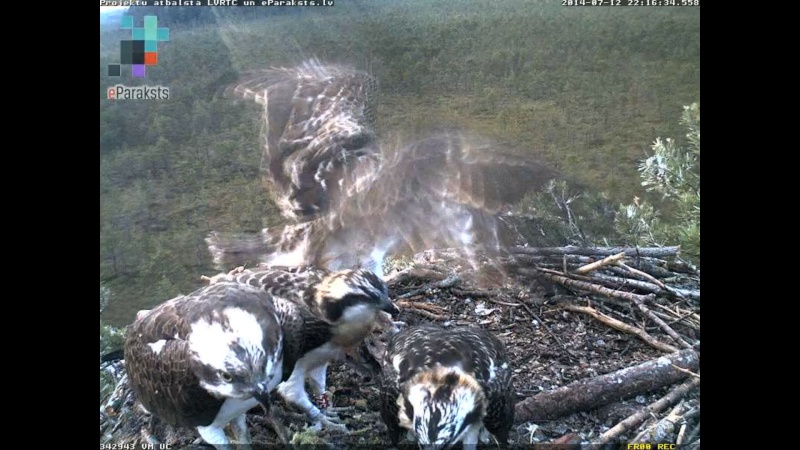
[(673, 171)]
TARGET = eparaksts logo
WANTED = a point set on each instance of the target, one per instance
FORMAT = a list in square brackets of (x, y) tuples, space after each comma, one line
[(121, 92)]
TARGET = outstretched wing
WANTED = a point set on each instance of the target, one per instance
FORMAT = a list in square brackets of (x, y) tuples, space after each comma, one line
[(442, 191), (318, 122), (353, 199)]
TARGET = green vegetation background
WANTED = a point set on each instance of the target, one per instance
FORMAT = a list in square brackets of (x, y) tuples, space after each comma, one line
[(586, 89)]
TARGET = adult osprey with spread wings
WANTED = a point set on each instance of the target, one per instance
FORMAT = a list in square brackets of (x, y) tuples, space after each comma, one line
[(351, 196)]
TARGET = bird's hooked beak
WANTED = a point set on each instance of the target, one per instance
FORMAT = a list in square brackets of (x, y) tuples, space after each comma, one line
[(262, 394), (389, 307)]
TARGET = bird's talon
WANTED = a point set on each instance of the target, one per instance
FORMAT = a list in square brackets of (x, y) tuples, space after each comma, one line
[(332, 425)]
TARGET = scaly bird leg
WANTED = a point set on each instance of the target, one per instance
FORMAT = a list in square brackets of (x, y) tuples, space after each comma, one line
[(293, 391), (241, 433), (277, 426)]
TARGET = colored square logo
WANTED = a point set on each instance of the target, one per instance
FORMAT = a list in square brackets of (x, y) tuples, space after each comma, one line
[(141, 49), (150, 58), (137, 70)]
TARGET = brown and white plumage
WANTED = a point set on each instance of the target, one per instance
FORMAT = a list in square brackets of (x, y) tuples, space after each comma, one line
[(445, 385), (204, 359), (352, 196), (323, 314), (318, 121)]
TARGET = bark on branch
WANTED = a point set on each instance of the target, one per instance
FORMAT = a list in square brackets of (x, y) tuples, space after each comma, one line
[(640, 416), (582, 285), (621, 326), (658, 252), (588, 394), (613, 259)]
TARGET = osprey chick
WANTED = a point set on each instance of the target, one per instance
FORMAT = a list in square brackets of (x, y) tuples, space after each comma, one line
[(446, 386), (323, 314), (318, 123), (204, 359)]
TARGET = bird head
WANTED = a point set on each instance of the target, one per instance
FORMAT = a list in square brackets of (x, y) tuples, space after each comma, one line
[(237, 354), (439, 406), (354, 295)]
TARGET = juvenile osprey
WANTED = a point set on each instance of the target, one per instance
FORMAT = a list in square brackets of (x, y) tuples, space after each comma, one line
[(204, 359), (350, 196), (323, 314), (446, 385), (318, 122)]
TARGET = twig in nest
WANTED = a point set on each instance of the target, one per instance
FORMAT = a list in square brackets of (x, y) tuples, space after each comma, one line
[(638, 300), (683, 320), (420, 305), (681, 435), (638, 417), (618, 282), (450, 281), (546, 328), (428, 314), (613, 259), (342, 408), (644, 275), (688, 372), (691, 414), (667, 329), (622, 326), (693, 434), (413, 272), (591, 393), (584, 286), (498, 302), (604, 251), (663, 429), (472, 292)]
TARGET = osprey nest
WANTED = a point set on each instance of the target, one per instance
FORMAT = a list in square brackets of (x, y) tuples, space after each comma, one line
[(604, 344)]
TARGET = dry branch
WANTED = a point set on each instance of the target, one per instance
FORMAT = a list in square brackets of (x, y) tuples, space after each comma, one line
[(588, 394), (688, 372), (421, 305), (450, 281), (649, 267), (640, 416), (667, 329), (658, 252), (613, 259), (685, 320), (582, 285), (663, 429), (619, 282), (414, 272), (681, 435), (621, 326), (645, 275)]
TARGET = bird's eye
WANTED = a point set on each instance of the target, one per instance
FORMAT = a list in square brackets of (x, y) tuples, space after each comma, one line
[(226, 377)]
